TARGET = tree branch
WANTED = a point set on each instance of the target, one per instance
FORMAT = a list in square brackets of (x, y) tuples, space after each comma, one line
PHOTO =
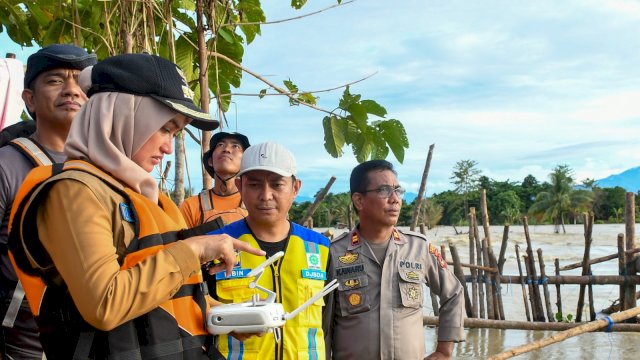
[(306, 92), (289, 19), (272, 85)]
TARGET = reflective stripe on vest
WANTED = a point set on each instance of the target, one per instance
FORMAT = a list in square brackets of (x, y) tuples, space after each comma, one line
[(37, 156)]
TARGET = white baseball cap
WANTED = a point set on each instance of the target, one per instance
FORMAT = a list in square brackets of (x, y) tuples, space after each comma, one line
[(268, 156)]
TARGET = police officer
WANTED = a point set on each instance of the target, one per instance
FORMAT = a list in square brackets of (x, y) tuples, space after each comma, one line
[(381, 272)]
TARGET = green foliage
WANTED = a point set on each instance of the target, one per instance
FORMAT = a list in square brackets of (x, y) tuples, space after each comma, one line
[(113, 27), (561, 198), (351, 126), (560, 318)]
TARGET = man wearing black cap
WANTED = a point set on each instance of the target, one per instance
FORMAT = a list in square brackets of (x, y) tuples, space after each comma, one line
[(52, 97), (223, 201)]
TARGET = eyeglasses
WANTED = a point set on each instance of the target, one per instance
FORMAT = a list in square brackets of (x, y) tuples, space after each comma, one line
[(385, 191)]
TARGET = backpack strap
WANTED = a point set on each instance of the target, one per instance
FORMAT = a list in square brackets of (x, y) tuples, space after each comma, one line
[(206, 203), (33, 151)]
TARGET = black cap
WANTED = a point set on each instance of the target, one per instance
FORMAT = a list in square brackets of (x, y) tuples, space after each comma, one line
[(57, 56), (215, 139), (153, 76)]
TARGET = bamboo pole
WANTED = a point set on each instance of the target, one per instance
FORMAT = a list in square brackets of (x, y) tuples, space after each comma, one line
[(481, 295), (600, 259), (576, 279), (457, 271), (525, 325), (630, 238), (317, 201), (590, 326), (485, 216), (474, 272), (488, 284), (558, 296), (503, 248), (423, 185), (524, 289), (588, 227), (538, 313), (622, 268), (497, 301), (545, 288)]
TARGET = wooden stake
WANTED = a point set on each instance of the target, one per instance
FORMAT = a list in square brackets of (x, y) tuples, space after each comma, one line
[(588, 227), (474, 272), (622, 268), (317, 201), (485, 256), (481, 295), (558, 297), (485, 216), (591, 326), (524, 325), (497, 300), (423, 185), (503, 248), (457, 270), (524, 290), (538, 314), (545, 288), (630, 237), (600, 259)]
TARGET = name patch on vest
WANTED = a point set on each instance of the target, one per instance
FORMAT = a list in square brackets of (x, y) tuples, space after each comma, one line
[(314, 274), (350, 270), (127, 214), (410, 265), (235, 274)]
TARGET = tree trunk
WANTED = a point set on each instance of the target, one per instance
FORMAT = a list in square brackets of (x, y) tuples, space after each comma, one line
[(204, 85)]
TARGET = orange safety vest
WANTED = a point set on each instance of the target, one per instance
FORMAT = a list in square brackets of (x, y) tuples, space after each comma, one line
[(208, 211), (173, 330)]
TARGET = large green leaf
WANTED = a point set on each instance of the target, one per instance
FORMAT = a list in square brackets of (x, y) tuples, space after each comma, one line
[(250, 11), (374, 108), (334, 132), (393, 133)]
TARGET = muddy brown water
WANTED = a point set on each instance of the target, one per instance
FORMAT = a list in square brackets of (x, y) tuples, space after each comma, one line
[(568, 248)]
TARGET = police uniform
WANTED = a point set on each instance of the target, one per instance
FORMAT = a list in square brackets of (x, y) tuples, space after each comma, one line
[(383, 304)]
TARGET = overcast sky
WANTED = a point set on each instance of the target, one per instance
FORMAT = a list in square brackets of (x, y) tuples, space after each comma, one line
[(518, 86)]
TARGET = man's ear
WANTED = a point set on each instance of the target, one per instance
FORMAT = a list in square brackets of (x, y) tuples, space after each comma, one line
[(356, 199), (27, 97), (296, 186), (238, 183)]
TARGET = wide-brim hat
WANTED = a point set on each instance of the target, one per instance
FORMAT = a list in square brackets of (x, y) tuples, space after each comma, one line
[(215, 139), (57, 56), (153, 76)]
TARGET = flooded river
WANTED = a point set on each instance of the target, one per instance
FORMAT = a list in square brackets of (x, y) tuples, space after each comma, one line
[(568, 248)]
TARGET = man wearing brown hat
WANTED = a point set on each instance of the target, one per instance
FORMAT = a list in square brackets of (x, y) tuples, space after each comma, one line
[(52, 97), (223, 201)]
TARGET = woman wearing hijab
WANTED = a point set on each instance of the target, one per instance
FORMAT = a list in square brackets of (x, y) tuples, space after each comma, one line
[(122, 275)]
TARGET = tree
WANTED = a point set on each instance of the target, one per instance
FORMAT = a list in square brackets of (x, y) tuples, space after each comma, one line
[(207, 39), (560, 199), (466, 179), (508, 203)]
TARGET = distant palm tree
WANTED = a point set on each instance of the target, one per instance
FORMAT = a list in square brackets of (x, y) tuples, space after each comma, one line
[(560, 199), (430, 213)]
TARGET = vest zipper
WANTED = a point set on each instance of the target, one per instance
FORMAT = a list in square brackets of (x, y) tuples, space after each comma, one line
[(275, 267)]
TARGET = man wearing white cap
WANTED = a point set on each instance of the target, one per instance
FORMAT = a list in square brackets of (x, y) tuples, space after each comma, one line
[(268, 185)]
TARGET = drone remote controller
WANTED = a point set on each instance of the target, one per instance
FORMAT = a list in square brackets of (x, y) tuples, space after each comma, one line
[(255, 315)]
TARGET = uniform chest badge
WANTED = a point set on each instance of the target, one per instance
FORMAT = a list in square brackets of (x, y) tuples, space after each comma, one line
[(355, 299), (351, 283), (313, 261), (348, 257), (412, 275), (412, 293)]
